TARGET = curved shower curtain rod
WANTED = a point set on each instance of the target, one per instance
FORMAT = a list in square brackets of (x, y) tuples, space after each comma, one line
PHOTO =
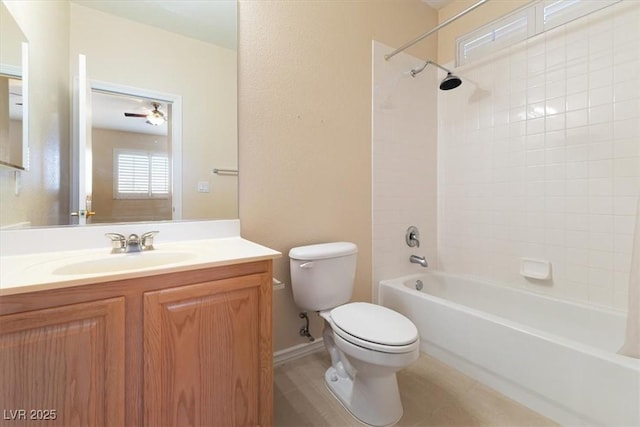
[(433, 30)]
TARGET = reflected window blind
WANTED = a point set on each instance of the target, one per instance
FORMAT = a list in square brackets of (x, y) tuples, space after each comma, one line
[(141, 175)]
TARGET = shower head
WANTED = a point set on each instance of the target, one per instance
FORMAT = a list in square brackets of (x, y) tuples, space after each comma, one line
[(450, 82)]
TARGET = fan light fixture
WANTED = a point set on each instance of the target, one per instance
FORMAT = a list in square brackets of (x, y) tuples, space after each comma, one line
[(156, 118)]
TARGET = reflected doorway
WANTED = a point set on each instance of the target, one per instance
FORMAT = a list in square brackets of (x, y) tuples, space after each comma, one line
[(127, 156), (131, 158)]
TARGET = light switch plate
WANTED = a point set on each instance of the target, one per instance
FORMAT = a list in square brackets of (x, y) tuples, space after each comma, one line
[(203, 186)]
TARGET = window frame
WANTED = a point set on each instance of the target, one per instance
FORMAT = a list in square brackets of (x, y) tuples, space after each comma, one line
[(149, 194), (537, 15)]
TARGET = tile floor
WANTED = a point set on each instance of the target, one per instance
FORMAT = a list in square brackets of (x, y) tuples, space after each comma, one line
[(432, 394)]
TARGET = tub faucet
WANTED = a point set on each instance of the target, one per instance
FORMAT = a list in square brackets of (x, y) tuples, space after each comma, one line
[(415, 259)]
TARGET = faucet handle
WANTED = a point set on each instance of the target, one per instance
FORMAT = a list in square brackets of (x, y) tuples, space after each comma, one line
[(412, 237), (146, 240), (118, 242)]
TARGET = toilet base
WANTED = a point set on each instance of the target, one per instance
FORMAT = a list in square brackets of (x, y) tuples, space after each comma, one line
[(373, 401)]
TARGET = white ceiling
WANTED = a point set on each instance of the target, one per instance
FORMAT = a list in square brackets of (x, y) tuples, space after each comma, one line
[(212, 21), (438, 4)]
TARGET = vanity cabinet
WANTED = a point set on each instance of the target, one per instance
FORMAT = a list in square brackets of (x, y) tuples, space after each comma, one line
[(64, 365), (202, 354), (189, 348)]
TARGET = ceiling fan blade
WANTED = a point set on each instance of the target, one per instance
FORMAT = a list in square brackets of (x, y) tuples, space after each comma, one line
[(135, 115)]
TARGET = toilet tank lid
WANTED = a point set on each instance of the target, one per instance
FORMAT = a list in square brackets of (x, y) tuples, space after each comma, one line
[(323, 251)]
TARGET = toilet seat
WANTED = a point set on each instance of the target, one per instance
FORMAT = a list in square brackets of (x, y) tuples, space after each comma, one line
[(374, 327)]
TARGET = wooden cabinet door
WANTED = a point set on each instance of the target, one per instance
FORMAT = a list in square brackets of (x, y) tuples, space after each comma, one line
[(205, 347), (63, 366)]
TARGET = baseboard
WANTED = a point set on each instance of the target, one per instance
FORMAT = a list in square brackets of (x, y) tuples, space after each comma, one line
[(297, 351)]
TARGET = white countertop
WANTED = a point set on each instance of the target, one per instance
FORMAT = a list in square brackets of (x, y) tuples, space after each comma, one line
[(36, 259), (50, 270)]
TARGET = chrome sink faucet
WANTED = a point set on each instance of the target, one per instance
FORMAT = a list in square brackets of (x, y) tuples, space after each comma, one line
[(133, 243)]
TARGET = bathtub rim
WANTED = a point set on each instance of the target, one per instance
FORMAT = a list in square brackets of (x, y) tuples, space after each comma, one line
[(613, 357)]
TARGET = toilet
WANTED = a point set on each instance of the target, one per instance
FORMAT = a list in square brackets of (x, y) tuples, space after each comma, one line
[(367, 343)]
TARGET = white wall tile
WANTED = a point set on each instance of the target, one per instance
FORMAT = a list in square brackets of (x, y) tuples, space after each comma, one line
[(601, 95), (627, 71), (577, 170), (599, 78), (577, 83), (404, 128), (577, 100), (577, 118), (600, 132), (556, 172), (627, 109)]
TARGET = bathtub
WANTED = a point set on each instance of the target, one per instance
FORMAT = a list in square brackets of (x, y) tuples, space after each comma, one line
[(556, 357)]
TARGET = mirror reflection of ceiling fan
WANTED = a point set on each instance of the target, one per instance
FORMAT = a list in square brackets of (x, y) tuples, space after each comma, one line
[(155, 117)]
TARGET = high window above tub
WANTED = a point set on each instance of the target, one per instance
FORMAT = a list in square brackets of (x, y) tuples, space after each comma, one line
[(530, 20)]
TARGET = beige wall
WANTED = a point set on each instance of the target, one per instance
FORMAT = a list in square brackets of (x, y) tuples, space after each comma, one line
[(120, 51), (305, 127), (107, 208), (474, 19), (44, 195)]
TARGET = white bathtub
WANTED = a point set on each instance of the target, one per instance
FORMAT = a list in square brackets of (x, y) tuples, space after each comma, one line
[(554, 356)]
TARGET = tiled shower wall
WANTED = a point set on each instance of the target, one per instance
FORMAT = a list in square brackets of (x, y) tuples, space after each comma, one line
[(404, 130), (539, 156)]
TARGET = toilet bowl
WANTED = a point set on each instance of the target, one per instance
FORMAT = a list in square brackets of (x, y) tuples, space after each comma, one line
[(365, 356), (367, 343)]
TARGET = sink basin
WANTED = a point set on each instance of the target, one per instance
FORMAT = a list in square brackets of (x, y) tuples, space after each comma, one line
[(122, 262)]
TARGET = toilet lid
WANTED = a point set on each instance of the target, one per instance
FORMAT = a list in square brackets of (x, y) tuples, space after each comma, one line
[(374, 323)]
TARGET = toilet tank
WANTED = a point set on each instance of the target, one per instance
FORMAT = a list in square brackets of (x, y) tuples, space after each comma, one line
[(322, 275)]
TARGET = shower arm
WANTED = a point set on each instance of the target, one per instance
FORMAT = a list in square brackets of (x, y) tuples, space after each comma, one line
[(433, 30), (419, 70)]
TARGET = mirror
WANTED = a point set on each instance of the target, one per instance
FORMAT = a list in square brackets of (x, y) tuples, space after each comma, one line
[(13, 82), (186, 48), (131, 157)]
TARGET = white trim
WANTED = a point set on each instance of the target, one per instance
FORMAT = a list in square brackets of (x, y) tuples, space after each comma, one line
[(11, 70), (25, 106), (82, 142), (297, 351)]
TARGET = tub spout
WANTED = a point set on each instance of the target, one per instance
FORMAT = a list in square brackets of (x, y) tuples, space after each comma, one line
[(415, 259)]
